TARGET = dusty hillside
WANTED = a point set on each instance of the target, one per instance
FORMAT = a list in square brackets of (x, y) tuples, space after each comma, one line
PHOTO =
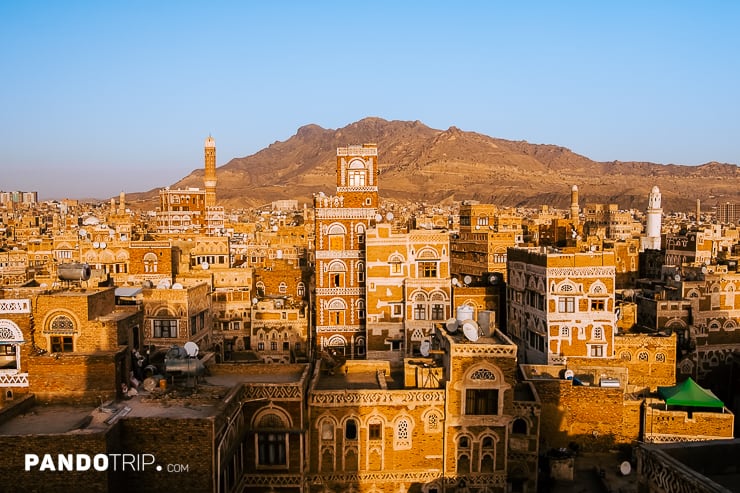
[(418, 163)]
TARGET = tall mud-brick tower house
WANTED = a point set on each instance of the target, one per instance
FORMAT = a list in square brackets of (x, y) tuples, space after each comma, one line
[(341, 222), (210, 174)]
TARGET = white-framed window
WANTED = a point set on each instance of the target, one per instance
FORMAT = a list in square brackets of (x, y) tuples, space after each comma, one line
[(282, 288), (564, 332), (397, 309), (596, 350), (566, 304), (598, 334)]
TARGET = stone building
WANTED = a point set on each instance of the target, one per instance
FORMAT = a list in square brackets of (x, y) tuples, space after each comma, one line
[(279, 330), (457, 419), (176, 314), (561, 304), (67, 344), (481, 244), (340, 224), (408, 288)]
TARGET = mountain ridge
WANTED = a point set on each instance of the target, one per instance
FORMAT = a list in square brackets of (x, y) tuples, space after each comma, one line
[(421, 164)]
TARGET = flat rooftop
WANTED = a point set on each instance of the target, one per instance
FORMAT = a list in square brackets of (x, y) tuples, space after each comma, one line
[(184, 400), (361, 375)]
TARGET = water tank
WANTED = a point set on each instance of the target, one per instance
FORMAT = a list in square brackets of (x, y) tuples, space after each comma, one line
[(487, 321), (74, 271), (464, 312)]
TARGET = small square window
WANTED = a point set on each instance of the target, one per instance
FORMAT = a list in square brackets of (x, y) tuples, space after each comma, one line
[(375, 431)]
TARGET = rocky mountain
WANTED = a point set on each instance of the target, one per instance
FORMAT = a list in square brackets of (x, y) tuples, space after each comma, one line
[(419, 163)]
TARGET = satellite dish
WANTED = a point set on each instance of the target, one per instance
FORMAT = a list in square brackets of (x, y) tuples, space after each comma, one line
[(451, 325), (470, 329), (677, 277), (254, 301), (467, 279), (204, 265), (625, 468), (425, 347), (493, 279), (177, 285), (191, 348), (703, 271), (389, 216), (103, 244), (477, 226), (455, 282), (83, 232), (569, 374), (164, 284), (274, 228), (378, 218), (96, 244)]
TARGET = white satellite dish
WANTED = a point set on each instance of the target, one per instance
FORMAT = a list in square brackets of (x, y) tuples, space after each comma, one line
[(103, 244), (467, 279), (96, 244), (83, 232), (204, 265), (254, 301), (389, 216), (177, 285), (378, 218), (455, 282), (703, 271), (477, 227), (569, 374), (451, 325), (625, 468), (274, 228), (425, 347), (470, 329), (164, 284), (677, 277), (191, 348)]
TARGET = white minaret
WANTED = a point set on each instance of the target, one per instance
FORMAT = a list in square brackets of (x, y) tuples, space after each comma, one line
[(651, 240)]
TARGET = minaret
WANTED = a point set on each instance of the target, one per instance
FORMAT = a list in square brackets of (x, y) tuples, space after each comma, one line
[(210, 176), (651, 240), (122, 203), (698, 211), (574, 209)]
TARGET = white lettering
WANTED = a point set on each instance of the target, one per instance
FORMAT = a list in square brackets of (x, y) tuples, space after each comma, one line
[(65, 462), (83, 462), (47, 464), (101, 462), (31, 460)]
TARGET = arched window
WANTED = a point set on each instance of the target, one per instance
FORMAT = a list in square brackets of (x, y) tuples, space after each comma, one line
[(282, 288), (301, 289), (519, 427), (402, 435), (642, 356), (271, 445), (327, 430), (350, 430), (150, 262)]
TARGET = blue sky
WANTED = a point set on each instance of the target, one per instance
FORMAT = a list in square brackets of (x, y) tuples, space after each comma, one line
[(102, 97)]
